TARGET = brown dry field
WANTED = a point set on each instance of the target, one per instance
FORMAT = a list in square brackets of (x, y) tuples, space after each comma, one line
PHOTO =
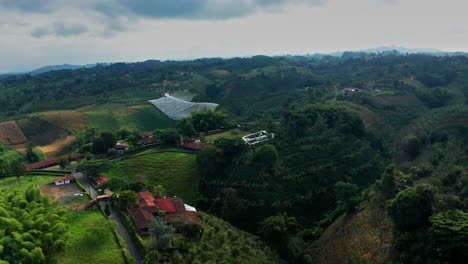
[(66, 119), (57, 148), (61, 193), (11, 134), (364, 235)]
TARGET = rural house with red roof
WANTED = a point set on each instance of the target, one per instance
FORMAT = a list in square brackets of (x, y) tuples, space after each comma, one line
[(99, 179), (64, 180), (172, 210)]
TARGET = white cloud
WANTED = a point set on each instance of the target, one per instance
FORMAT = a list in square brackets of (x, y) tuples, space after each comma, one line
[(294, 29)]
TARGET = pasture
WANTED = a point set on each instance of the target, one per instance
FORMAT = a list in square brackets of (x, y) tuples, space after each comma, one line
[(24, 182), (85, 245), (117, 116), (176, 171), (234, 132)]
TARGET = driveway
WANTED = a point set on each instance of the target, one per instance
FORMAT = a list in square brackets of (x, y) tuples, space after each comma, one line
[(114, 216)]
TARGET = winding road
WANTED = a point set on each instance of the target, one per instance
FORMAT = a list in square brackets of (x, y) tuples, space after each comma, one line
[(114, 216)]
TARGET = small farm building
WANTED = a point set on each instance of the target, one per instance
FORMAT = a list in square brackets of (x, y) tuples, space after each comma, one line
[(100, 179), (64, 180)]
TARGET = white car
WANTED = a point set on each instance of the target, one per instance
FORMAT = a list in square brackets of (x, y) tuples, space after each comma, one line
[(78, 194)]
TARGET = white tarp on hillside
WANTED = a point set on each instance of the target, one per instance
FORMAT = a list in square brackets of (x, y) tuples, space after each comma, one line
[(176, 108)]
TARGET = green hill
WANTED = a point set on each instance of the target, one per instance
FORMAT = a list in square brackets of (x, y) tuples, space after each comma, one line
[(176, 171), (222, 243)]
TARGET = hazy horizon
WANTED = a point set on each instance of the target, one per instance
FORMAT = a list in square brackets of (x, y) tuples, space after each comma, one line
[(52, 32)]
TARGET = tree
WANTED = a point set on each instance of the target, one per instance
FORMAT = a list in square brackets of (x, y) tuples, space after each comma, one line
[(32, 227), (98, 146), (185, 127), (128, 199), (412, 146), (348, 195), (109, 139), (134, 139), (411, 208), (159, 191), (92, 168), (231, 146), (31, 156), (123, 134), (210, 161), (450, 232), (63, 163), (389, 187), (161, 232), (167, 136), (232, 205), (17, 168), (115, 185), (267, 156), (277, 230)]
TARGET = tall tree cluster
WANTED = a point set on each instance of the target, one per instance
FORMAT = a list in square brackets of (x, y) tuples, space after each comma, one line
[(31, 227)]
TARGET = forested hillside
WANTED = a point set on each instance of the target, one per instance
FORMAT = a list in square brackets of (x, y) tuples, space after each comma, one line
[(363, 147)]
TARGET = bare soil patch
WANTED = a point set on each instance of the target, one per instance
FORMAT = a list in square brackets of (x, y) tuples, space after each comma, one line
[(66, 119), (56, 148), (61, 193), (11, 134)]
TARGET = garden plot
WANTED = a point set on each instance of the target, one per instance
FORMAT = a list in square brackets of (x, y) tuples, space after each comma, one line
[(176, 108)]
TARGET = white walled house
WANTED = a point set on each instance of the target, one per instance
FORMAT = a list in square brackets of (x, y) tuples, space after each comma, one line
[(64, 180)]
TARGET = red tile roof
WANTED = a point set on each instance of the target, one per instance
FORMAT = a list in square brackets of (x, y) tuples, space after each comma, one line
[(100, 179), (148, 140), (51, 162), (70, 178), (141, 217), (195, 145), (145, 199), (166, 205)]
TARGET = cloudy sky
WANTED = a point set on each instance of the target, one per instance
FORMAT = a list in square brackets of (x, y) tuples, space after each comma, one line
[(35, 33)]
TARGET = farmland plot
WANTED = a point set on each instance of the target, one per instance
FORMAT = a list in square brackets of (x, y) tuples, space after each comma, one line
[(177, 109)]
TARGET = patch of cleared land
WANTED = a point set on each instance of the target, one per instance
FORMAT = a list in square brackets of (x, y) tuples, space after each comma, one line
[(66, 119), (11, 134), (84, 246), (363, 237), (56, 148), (176, 171), (231, 133), (61, 193), (177, 109)]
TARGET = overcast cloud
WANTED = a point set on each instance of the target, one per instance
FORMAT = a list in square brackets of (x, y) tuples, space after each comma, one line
[(43, 32)]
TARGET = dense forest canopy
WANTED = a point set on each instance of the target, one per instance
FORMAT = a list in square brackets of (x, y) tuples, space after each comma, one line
[(350, 134)]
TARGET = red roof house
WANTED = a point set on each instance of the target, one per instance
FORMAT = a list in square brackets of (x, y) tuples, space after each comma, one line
[(174, 209), (166, 205), (64, 180), (100, 179)]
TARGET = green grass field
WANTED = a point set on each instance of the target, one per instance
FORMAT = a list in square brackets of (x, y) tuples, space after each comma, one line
[(80, 247), (143, 119), (21, 185), (176, 171), (234, 132)]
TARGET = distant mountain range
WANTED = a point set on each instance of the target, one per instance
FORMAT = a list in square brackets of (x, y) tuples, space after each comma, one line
[(384, 49), (51, 68), (402, 50), (60, 67)]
